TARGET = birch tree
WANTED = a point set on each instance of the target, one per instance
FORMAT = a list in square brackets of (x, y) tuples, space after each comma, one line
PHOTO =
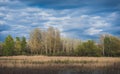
[(35, 41)]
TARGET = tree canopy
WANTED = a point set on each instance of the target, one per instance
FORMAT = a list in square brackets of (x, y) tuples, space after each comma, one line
[(50, 42)]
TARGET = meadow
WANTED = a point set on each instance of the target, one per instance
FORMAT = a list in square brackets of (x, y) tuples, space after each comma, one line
[(59, 65)]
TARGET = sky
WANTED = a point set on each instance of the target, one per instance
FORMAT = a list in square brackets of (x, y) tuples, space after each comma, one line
[(81, 19)]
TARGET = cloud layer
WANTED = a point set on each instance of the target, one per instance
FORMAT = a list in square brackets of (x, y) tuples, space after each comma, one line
[(18, 18)]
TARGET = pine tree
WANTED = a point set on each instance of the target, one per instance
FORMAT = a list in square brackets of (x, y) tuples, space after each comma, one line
[(23, 45), (8, 46), (18, 46)]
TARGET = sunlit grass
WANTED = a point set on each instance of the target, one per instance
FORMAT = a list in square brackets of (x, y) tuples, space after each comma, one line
[(40, 60), (59, 65)]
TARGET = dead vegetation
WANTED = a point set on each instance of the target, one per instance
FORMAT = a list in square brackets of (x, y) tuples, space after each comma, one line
[(38, 60), (59, 65)]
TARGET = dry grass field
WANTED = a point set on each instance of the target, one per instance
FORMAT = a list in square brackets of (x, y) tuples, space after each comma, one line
[(59, 65)]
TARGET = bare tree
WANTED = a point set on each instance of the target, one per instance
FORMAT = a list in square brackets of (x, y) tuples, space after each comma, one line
[(69, 45), (57, 41), (35, 41)]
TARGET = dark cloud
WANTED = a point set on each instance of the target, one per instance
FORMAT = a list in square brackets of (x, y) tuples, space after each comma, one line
[(63, 4), (84, 19)]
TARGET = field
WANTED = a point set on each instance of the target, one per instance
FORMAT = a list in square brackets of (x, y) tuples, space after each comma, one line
[(59, 65)]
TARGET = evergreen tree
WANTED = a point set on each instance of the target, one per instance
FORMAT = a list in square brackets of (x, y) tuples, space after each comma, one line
[(1, 48), (8, 46), (18, 46), (23, 45)]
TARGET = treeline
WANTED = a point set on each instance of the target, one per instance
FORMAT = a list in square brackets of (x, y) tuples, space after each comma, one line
[(50, 42)]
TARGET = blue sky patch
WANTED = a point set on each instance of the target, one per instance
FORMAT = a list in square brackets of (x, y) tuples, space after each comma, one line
[(84, 19)]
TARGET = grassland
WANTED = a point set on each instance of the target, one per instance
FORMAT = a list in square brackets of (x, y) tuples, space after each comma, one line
[(59, 65)]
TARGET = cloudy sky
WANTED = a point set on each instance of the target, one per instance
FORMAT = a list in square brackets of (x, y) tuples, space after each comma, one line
[(84, 19)]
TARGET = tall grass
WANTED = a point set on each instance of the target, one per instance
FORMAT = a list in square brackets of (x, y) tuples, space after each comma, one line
[(59, 65)]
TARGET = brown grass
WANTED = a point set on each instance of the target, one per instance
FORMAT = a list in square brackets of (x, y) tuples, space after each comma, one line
[(22, 61), (59, 65)]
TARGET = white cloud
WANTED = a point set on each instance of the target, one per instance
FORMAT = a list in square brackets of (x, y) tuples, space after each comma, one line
[(2, 22), (23, 19), (1, 14), (99, 22), (93, 31), (2, 1)]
